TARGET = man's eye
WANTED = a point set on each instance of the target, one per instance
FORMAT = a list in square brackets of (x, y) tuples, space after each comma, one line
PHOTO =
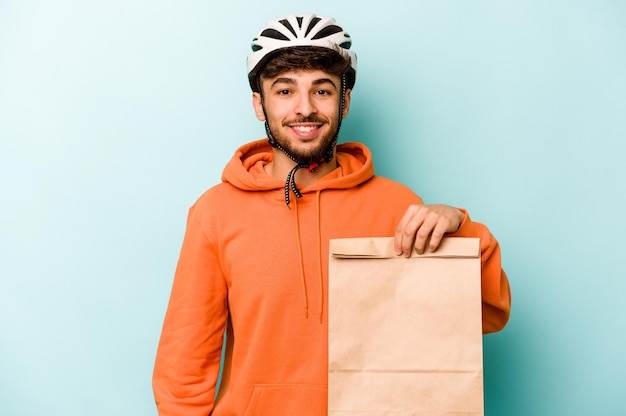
[(323, 92), (283, 92)]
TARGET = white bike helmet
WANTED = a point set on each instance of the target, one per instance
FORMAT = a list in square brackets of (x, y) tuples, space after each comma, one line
[(294, 31)]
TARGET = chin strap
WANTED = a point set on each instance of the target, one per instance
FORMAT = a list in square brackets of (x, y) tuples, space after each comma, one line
[(291, 180), (290, 183)]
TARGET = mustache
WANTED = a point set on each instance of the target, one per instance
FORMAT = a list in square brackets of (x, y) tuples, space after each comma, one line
[(309, 119)]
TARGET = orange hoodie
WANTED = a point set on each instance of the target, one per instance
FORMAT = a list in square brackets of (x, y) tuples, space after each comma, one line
[(257, 269)]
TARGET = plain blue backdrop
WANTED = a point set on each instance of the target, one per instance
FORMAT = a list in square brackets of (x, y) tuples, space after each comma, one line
[(116, 115)]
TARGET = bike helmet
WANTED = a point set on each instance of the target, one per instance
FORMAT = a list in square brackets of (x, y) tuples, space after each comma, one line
[(294, 31)]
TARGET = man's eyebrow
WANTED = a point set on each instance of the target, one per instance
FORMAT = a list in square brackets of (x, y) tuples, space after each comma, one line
[(325, 81), (283, 80), (291, 81)]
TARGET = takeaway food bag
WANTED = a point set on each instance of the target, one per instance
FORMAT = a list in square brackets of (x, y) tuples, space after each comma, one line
[(405, 334)]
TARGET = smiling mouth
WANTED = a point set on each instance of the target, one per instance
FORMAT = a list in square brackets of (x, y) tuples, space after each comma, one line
[(305, 125), (305, 129)]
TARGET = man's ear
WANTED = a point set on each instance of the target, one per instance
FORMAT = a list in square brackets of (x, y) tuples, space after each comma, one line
[(257, 104), (346, 104)]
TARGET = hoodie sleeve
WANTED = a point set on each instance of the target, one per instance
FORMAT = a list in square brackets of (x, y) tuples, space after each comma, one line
[(188, 356), (495, 285)]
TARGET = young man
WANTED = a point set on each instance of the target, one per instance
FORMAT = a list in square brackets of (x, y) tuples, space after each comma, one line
[(254, 260)]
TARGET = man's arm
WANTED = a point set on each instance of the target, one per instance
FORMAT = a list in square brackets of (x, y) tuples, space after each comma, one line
[(188, 358), (423, 226)]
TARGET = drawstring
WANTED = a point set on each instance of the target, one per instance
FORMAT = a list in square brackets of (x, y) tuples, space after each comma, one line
[(319, 253), (301, 258), (290, 183), (320, 267)]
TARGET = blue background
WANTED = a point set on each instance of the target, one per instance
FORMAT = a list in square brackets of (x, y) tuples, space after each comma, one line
[(116, 115)]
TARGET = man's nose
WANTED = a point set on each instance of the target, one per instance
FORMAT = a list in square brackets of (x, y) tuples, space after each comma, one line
[(305, 105)]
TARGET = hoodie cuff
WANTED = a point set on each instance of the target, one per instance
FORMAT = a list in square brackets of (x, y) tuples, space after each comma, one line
[(466, 228)]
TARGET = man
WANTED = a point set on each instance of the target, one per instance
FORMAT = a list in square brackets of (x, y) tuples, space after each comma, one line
[(254, 261)]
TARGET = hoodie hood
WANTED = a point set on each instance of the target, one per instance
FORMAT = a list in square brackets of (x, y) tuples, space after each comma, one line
[(245, 170)]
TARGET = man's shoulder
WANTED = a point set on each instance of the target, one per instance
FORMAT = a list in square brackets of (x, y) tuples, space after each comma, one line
[(385, 184), (215, 196), (384, 190)]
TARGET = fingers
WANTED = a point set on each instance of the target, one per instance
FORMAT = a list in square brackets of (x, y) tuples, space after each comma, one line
[(429, 233), (436, 236), (423, 227), (405, 231)]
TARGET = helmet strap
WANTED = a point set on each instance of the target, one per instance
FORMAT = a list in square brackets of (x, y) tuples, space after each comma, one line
[(290, 183)]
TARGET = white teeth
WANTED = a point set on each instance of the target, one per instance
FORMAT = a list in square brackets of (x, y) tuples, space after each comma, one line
[(305, 129)]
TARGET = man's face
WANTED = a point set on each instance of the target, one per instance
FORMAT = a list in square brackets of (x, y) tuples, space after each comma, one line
[(302, 109)]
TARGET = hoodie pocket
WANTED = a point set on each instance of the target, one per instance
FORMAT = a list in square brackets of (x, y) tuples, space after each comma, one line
[(288, 400)]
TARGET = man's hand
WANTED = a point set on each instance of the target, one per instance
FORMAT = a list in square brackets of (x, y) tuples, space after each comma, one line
[(425, 224)]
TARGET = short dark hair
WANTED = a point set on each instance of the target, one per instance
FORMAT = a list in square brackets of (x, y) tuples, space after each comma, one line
[(306, 58)]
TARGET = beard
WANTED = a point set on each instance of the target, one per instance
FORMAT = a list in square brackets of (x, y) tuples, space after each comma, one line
[(306, 156)]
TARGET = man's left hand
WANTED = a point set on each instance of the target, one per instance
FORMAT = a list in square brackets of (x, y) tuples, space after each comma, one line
[(423, 226)]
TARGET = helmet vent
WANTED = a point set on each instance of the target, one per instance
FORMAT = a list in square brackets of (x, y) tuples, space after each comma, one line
[(286, 23), (274, 34), (327, 31), (346, 45), (312, 24)]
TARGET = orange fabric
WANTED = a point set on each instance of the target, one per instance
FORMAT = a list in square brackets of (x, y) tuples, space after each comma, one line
[(253, 267)]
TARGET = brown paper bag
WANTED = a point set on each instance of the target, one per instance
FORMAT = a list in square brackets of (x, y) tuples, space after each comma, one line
[(405, 335)]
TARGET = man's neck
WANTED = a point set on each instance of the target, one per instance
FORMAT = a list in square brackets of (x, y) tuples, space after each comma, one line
[(280, 167)]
